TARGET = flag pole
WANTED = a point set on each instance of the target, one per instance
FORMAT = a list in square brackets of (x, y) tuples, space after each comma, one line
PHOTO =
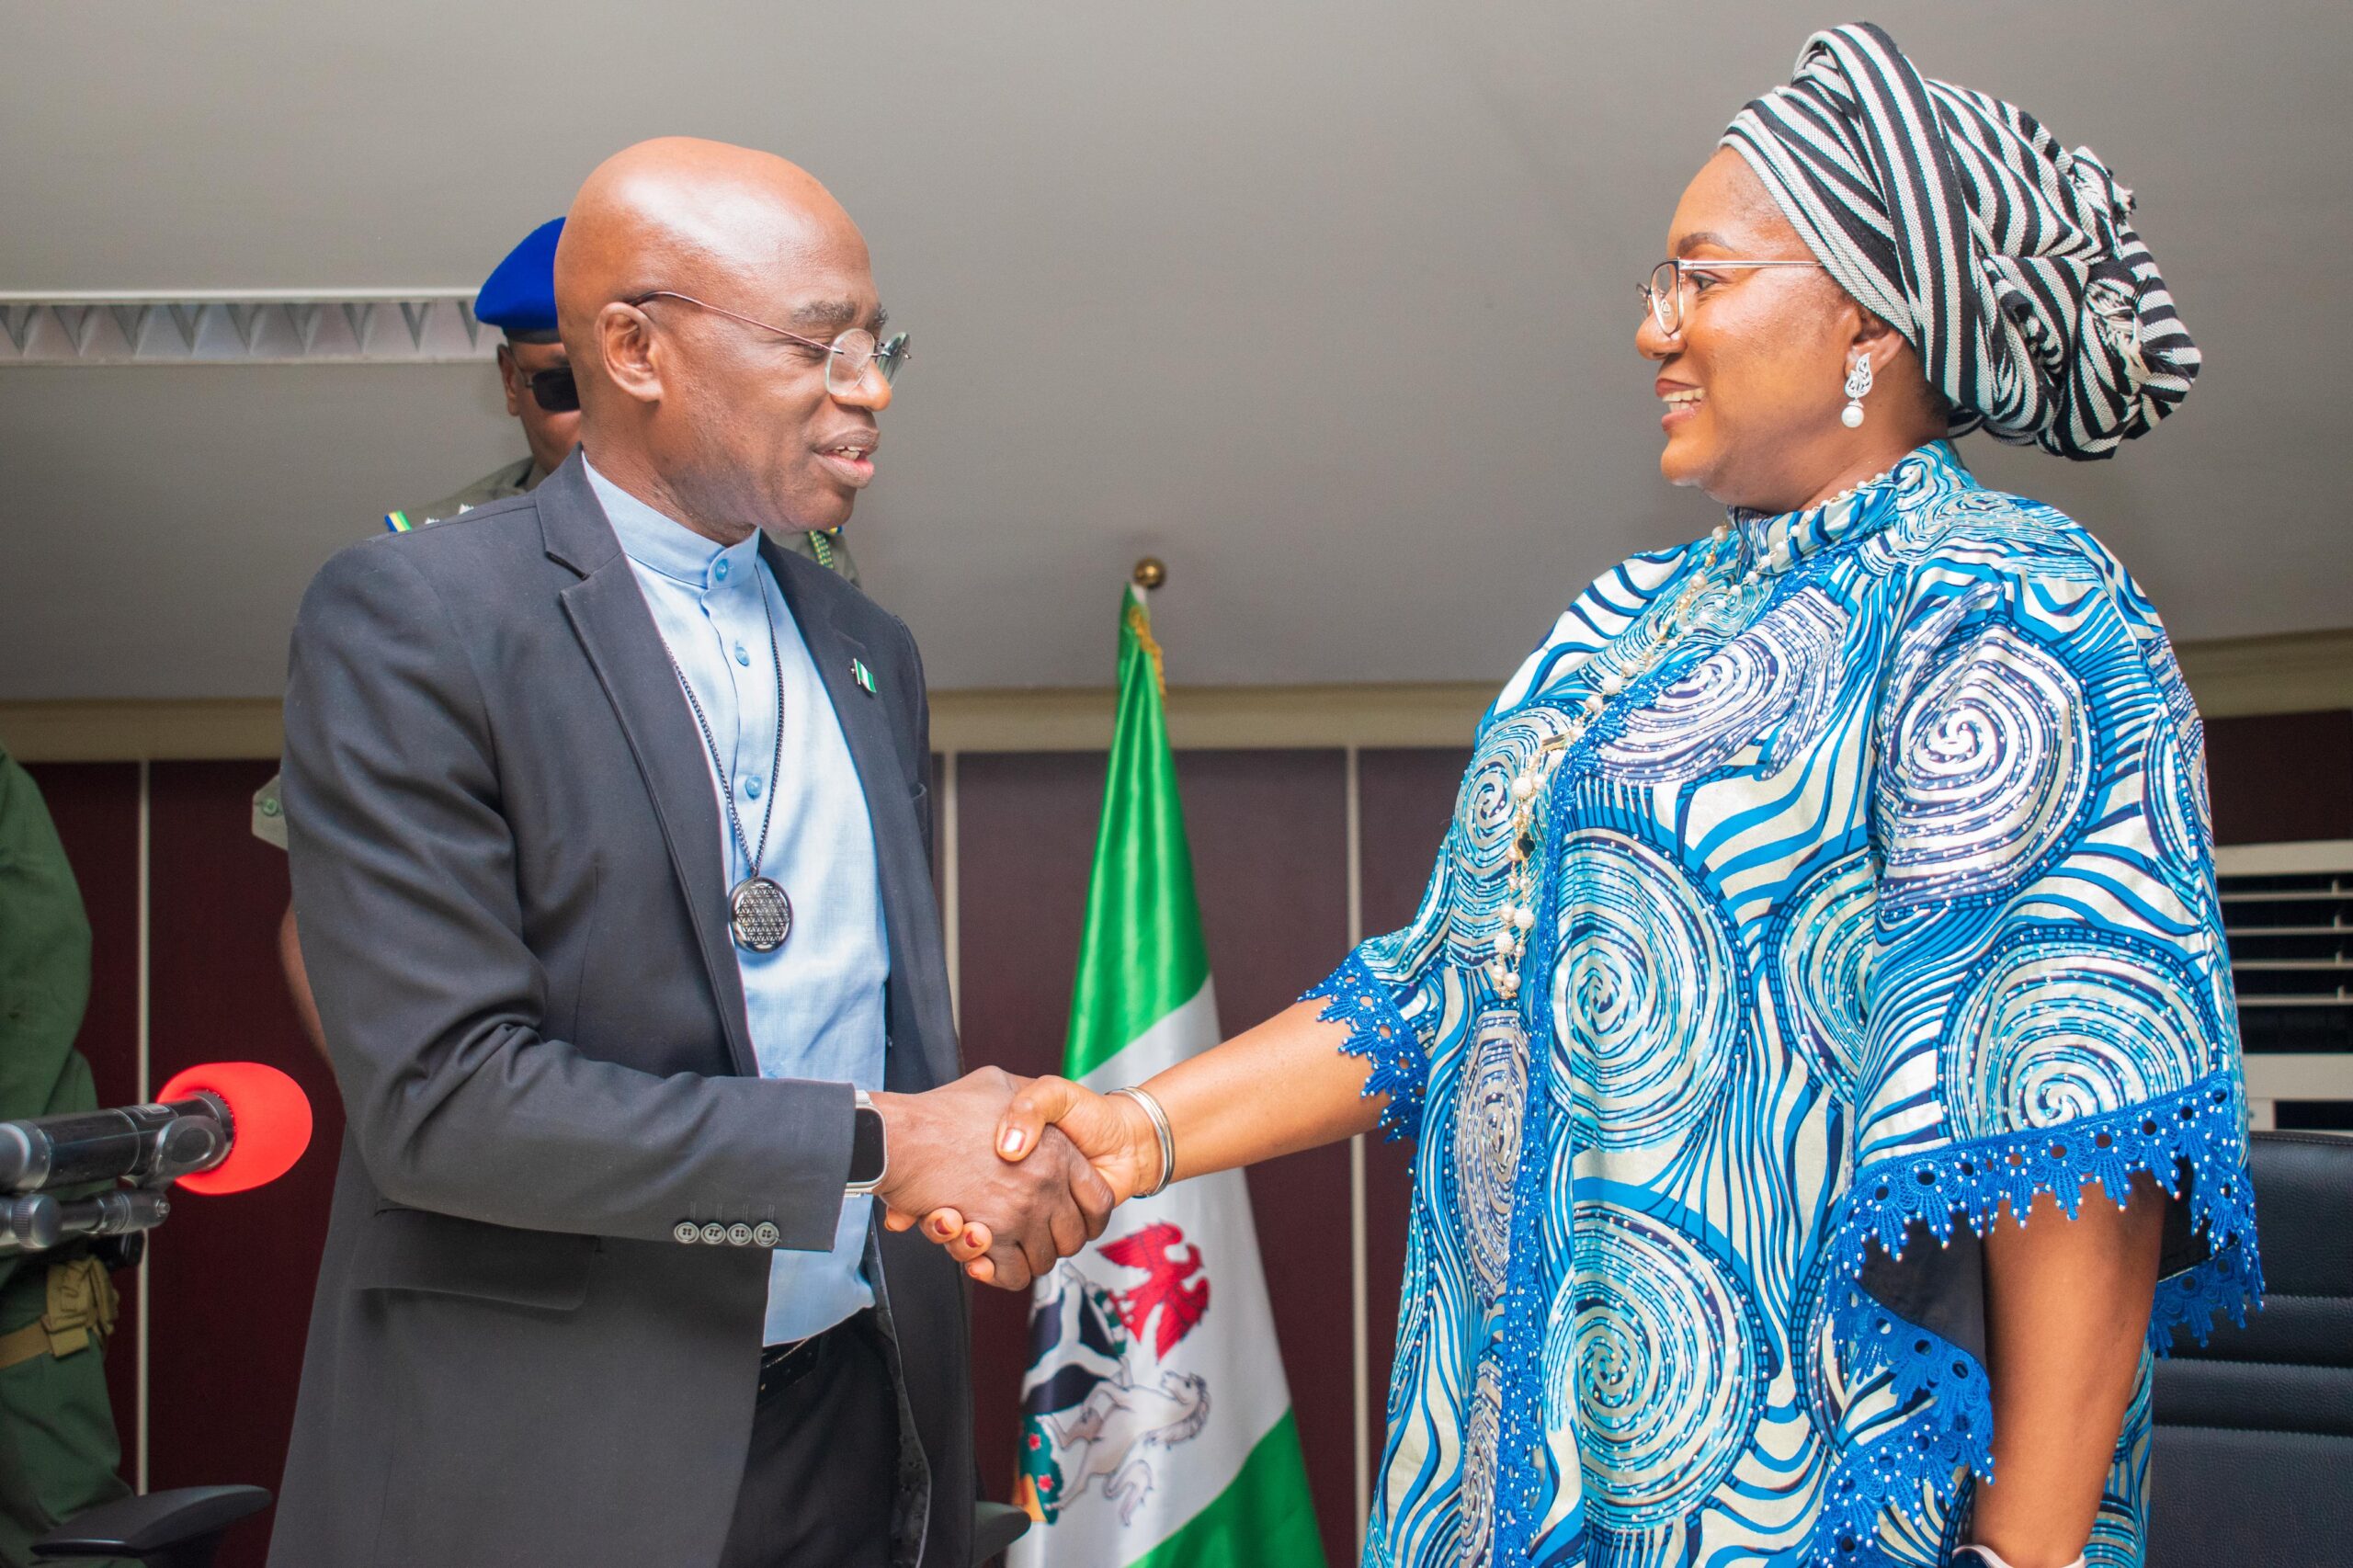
[(1156, 1424)]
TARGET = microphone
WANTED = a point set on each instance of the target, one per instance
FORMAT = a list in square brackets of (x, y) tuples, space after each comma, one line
[(222, 1127)]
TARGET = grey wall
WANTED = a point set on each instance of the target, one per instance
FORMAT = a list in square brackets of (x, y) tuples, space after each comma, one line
[(1328, 301)]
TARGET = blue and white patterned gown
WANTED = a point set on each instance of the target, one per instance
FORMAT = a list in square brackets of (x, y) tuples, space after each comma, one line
[(1885, 895)]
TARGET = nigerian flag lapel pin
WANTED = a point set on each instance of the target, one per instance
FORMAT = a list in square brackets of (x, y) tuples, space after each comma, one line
[(864, 676)]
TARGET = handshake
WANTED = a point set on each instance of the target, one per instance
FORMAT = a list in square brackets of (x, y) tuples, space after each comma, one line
[(1011, 1173)]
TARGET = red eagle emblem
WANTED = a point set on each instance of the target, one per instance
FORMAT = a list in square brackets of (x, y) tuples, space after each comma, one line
[(1170, 1288)]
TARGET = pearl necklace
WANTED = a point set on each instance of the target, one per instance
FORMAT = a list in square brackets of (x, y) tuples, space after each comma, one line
[(1528, 784)]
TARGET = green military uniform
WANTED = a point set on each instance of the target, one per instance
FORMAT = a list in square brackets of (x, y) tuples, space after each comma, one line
[(825, 547), (515, 479), (270, 814), (58, 1449)]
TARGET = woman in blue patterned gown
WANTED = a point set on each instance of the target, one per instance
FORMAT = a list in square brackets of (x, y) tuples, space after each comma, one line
[(1818, 1031)]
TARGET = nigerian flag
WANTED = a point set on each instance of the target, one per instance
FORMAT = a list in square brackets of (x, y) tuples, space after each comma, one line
[(1155, 1424)]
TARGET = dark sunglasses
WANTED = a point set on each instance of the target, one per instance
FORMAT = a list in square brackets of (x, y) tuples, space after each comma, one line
[(554, 391)]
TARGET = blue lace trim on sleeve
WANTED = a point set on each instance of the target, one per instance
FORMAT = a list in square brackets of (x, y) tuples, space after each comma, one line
[(1380, 1034), (1942, 1391)]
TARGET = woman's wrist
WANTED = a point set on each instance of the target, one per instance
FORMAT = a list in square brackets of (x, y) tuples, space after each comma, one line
[(1135, 1166), (1975, 1556)]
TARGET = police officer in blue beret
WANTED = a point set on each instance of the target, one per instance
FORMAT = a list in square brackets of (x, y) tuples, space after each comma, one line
[(519, 299)]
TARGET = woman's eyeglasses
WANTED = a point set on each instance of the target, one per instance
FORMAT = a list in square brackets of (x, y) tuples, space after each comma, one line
[(1664, 292), (850, 353)]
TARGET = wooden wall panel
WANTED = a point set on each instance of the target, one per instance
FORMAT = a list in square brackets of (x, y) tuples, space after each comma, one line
[(1027, 824), (232, 1277), (1270, 857), (2281, 777), (96, 808), (1268, 837)]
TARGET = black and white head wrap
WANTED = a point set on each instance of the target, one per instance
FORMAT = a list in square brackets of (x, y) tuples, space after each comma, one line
[(2009, 263)]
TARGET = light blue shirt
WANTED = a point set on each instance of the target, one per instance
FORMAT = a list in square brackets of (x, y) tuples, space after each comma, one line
[(816, 1005)]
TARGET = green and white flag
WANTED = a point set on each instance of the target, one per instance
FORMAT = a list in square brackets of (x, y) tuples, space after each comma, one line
[(1156, 1426)]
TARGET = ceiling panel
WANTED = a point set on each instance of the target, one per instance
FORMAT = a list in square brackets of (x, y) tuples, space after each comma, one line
[(1328, 303)]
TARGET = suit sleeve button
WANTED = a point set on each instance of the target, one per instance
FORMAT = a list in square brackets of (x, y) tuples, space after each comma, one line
[(714, 1232), (686, 1231), (739, 1234), (766, 1234)]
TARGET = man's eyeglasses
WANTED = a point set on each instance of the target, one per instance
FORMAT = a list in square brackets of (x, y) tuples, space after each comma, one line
[(1664, 292), (850, 353), (554, 390)]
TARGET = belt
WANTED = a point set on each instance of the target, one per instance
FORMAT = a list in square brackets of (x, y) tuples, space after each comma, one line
[(782, 1365), (78, 1313)]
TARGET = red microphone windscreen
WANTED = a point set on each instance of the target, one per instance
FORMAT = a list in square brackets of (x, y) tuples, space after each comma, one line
[(272, 1116)]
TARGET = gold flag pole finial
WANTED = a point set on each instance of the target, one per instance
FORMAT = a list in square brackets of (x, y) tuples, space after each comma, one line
[(1149, 574)]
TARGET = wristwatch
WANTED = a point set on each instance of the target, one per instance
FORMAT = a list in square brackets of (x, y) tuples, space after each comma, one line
[(870, 1157)]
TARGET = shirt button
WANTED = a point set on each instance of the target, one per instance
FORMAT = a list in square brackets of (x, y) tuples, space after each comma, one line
[(742, 654), (687, 1231), (752, 787), (714, 1234), (739, 1234), (720, 571), (766, 1234)]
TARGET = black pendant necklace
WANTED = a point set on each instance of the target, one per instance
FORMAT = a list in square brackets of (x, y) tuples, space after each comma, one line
[(759, 912)]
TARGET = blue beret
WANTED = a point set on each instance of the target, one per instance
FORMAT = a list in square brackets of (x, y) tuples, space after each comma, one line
[(519, 294)]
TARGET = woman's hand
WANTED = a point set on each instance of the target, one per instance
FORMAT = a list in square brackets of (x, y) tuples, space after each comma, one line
[(1220, 1107), (1111, 1130), (1040, 1212)]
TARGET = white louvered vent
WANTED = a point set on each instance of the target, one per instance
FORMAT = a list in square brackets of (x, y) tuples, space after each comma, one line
[(244, 326), (2289, 911)]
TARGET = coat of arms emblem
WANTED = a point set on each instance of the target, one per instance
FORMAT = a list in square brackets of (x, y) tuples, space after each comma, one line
[(1090, 1421)]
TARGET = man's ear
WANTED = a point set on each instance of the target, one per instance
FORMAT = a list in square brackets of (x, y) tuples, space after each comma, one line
[(624, 337)]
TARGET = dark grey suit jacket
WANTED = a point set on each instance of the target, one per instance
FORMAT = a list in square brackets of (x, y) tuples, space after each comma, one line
[(506, 862)]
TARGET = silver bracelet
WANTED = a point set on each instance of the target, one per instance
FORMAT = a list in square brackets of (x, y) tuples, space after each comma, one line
[(1987, 1556), (1160, 1129)]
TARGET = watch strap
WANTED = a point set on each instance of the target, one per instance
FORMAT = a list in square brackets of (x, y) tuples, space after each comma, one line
[(867, 1124)]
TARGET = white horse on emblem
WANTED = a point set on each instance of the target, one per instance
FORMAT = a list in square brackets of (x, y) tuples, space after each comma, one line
[(1118, 1421)]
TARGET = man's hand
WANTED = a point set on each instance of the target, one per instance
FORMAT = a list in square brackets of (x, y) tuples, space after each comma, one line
[(1111, 1130), (942, 1152)]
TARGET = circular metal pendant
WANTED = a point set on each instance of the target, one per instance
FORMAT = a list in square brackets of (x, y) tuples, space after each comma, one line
[(759, 913)]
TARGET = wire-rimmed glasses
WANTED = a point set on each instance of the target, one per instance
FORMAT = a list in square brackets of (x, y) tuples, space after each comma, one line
[(1664, 292), (851, 352)]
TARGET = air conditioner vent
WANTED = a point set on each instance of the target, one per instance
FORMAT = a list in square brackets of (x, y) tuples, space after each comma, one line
[(2287, 912), (2291, 929)]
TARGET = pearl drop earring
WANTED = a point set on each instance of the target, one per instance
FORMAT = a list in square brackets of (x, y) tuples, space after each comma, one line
[(1858, 386)]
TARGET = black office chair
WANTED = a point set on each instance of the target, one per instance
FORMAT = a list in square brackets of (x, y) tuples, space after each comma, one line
[(2252, 1462), (180, 1529), (183, 1528), (995, 1527)]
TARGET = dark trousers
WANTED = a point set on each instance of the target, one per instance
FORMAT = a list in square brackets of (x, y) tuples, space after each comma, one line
[(824, 1465)]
